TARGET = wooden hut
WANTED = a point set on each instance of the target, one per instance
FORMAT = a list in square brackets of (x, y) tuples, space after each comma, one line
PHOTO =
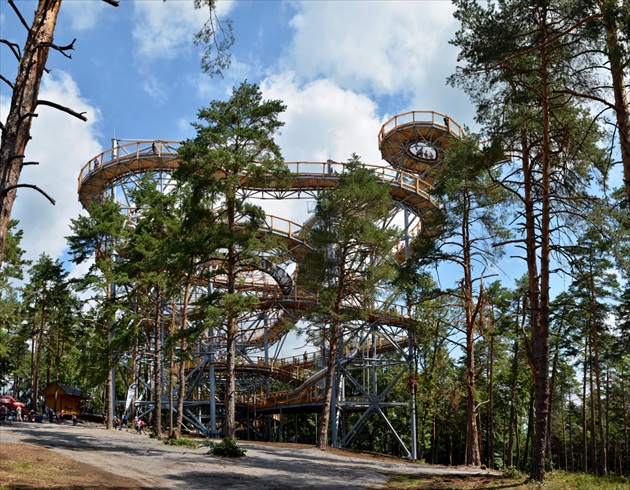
[(65, 398)]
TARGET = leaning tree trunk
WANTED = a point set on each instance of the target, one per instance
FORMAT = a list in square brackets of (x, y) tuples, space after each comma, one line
[(17, 129), (622, 111)]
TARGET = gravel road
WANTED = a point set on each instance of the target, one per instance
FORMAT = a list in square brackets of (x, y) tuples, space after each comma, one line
[(158, 466)]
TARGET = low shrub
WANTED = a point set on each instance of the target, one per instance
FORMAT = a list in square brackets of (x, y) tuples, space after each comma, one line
[(227, 448)]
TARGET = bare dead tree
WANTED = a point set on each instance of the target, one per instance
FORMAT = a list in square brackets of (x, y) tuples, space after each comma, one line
[(16, 130), (215, 37)]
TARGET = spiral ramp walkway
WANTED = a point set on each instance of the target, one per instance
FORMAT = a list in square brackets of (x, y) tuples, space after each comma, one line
[(414, 145)]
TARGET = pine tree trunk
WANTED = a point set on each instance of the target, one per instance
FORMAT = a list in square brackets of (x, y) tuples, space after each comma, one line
[(584, 419), (490, 428), (510, 452), (600, 414), (473, 452), (322, 437), (158, 363), (624, 408), (617, 71), (552, 385), (38, 357), (182, 366), (540, 328), (530, 430), (564, 432), (229, 425), (229, 429), (592, 414)]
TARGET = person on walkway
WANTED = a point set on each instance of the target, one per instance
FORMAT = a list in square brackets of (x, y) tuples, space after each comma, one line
[(18, 414)]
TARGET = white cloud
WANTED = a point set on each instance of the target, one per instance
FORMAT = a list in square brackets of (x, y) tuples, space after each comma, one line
[(162, 30), (380, 46), (83, 15), (154, 88), (165, 30), (61, 144), (324, 121)]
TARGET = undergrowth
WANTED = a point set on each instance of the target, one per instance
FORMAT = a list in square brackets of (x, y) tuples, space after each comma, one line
[(227, 448), (182, 441)]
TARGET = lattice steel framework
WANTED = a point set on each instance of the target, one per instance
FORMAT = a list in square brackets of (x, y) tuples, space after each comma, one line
[(413, 144)]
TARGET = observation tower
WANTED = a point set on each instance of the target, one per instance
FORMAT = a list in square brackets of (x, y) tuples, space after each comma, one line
[(273, 389)]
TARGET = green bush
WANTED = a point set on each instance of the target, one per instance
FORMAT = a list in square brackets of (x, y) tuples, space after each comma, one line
[(510, 472), (227, 448)]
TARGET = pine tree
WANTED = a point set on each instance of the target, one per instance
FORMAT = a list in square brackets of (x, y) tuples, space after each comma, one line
[(349, 260), (234, 150)]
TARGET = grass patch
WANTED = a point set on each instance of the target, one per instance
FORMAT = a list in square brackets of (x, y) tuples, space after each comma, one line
[(182, 441), (559, 480), (20, 466)]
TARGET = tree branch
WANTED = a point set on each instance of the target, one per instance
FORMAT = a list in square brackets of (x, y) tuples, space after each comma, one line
[(28, 114), (31, 186), (19, 14), (7, 82), (537, 47), (586, 96), (63, 109), (61, 49), (16, 157), (14, 47)]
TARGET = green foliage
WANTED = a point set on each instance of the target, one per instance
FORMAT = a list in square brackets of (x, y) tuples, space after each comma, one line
[(511, 472), (227, 448), (182, 441), (216, 37)]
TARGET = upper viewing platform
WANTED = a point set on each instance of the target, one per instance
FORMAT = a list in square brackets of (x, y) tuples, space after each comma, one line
[(416, 141), (113, 165)]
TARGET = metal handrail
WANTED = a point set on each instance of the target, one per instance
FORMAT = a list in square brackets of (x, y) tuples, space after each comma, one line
[(435, 119)]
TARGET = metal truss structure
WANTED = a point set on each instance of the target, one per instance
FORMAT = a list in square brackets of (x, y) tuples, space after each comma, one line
[(413, 144)]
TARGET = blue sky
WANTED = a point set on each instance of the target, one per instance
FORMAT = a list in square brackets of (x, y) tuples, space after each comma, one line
[(343, 68)]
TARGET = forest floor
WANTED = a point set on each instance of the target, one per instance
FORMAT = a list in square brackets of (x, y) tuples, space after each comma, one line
[(52, 456)]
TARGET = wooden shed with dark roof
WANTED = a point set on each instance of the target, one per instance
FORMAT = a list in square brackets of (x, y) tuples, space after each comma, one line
[(65, 398)]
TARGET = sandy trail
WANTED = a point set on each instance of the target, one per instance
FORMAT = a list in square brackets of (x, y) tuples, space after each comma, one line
[(158, 466)]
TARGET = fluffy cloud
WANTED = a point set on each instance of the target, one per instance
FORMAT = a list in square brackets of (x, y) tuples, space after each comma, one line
[(164, 30), (61, 144), (324, 121), (383, 47), (83, 15)]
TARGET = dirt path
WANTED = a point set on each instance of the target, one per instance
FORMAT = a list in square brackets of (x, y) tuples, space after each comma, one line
[(158, 466)]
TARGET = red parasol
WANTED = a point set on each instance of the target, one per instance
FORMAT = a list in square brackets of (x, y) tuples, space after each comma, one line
[(7, 400), (19, 404)]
